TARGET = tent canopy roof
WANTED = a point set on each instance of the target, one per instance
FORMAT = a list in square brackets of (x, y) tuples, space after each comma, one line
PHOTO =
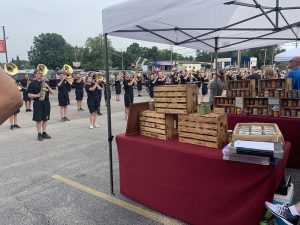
[(201, 24)]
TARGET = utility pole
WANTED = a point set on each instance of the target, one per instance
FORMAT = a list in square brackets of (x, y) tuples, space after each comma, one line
[(172, 55), (239, 61), (273, 53), (5, 46), (122, 57), (265, 59)]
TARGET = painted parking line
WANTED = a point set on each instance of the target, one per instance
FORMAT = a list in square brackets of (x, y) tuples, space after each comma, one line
[(138, 210)]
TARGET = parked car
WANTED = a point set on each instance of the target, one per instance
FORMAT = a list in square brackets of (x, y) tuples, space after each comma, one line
[(51, 76), (21, 76)]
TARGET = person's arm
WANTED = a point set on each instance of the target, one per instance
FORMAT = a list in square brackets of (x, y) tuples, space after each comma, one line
[(49, 88), (10, 97), (60, 82)]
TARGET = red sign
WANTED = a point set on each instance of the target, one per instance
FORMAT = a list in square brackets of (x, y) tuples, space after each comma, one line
[(2, 46)]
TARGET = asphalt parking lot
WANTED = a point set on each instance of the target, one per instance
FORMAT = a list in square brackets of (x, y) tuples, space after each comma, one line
[(65, 180)]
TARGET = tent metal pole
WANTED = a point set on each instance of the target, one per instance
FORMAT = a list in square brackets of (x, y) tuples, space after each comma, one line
[(108, 94), (277, 13), (216, 54)]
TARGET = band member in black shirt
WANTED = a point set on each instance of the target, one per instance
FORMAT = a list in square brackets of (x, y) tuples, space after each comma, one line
[(99, 92), (39, 91), (151, 84), (139, 84), (185, 78), (24, 84), (175, 79), (63, 96), (78, 83), (118, 86), (204, 89), (91, 89), (161, 79), (128, 88)]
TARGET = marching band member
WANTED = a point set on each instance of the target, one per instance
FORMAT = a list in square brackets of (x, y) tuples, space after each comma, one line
[(39, 91), (24, 84), (185, 78), (91, 89), (118, 85), (63, 96), (10, 98), (128, 88), (151, 83), (78, 83), (14, 119), (139, 84), (99, 92), (161, 79)]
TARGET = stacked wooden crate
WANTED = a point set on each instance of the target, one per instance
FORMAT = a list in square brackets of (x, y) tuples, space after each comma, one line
[(205, 130), (176, 99), (158, 125), (175, 112)]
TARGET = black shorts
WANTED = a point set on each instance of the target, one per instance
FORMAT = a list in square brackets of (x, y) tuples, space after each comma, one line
[(25, 96), (41, 110), (63, 99), (17, 112), (79, 95), (93, 103), (128, 99), (204, 89), (118, 90), (139, 86)]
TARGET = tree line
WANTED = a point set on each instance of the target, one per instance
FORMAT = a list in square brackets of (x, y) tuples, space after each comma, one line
[(53, 50)]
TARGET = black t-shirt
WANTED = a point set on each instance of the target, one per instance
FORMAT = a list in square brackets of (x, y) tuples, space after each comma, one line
[(78, 86), (127, 88), (23, 83), (35, 88), (90, 94), (160, 81), (256, 77), (184, 79), (63, 88)]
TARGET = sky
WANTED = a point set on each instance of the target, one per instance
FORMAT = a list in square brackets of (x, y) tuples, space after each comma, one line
[(74, 20)]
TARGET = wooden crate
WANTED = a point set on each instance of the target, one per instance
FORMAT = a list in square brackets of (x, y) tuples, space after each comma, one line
[(176, 99), (206, 130), (158, 125)]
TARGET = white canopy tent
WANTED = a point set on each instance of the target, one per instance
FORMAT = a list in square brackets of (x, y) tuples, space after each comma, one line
[(287, 55), (214, 26), (197, 23)]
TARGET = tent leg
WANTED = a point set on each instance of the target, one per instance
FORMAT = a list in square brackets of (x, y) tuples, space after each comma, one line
[(108, 95)]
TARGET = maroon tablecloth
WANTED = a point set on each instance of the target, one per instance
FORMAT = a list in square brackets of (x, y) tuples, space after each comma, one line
[(194, 184), (290, 128)]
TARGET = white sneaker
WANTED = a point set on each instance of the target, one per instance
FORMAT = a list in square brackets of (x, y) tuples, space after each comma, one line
[(96, 125), (91, 126)]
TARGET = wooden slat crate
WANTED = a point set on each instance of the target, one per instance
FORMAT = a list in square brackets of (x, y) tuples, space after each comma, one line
[(176, 99), (158, 125), (208, 130)]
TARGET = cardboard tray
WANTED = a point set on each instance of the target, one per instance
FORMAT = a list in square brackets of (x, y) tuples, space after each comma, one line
[(268, 138)]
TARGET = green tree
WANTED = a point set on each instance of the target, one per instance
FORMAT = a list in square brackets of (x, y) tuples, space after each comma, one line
[(93, 54), (50, 49)]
